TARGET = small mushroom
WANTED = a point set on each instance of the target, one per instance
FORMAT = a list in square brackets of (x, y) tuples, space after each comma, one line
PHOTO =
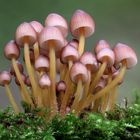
[(5, 79)]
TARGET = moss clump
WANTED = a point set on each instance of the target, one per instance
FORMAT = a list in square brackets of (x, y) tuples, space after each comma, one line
[(123, 123)]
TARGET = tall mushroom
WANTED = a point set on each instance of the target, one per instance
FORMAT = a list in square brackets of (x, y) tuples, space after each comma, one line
[(82, 26), (52, 39)]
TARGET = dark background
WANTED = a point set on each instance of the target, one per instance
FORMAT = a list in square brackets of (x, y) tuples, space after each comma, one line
[(116, 21)]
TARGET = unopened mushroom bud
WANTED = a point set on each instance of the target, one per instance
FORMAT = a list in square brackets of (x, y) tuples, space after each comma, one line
[(58, 21), (74, 43), (42, 64), (23, 79), (20, 67), (11, 50), (79, 76), (102, 44), (5, 79), (45, 83), (60, 87), (81, 25), (52, 39), (27, 81)]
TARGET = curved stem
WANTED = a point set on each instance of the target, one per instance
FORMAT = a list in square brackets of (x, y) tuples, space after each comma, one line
[(86, 89), (97, 76), (31, 74), (36, 50), (99, 94), (77, 96), (11, 99), (53, 80), (18, 75), (81, 42)]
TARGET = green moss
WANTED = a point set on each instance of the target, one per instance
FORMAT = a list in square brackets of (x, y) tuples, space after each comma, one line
[(123, 123)]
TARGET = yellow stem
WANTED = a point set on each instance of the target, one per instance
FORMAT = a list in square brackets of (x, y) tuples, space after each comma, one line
[(22, 94), (81, 42), (77, 96), (11, 99), (86, 89), (66, 97), (36, 50), (45, 96), (97, 77), (53, 80), (105, 97), (96, 105), (24, 89), (99, 94), (31, 75), (112, 98)]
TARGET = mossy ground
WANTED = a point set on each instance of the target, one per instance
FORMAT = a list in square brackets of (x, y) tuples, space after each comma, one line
[(123, 123)]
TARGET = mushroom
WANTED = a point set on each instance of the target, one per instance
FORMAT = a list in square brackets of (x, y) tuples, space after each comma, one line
[(61, 88), (11, 51), (44, 83), (125, 56), (58, 21), (38, 27), (25, 37), (106, 57), (74, 43), (5, 79), (79, 76), (52, 39), (82, 26)]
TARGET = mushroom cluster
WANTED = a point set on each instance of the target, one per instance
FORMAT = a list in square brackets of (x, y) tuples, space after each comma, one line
[(60, 76)]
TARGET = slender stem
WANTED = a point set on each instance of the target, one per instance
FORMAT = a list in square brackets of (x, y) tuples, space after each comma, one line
[(97, 76), (105, 97), (99, 94), (22, 94), (11, 99), (46, 98), (77, 96), (53, 80), (81, 42), (66, 98), (36, 50), (63, 70), (18, 75), (112, 99), (86, 89), (31, 75)]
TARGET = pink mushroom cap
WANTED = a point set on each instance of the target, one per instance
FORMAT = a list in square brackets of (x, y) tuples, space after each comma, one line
[(11, 50), (58, 21), (5, 78), (79, 72), (101, 44), (25, 33), (61, 86), (89, 60), (44, 81), (69, 53), (106, 54), (51, 35), (42, 63), (124, 52), (81, 19)]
